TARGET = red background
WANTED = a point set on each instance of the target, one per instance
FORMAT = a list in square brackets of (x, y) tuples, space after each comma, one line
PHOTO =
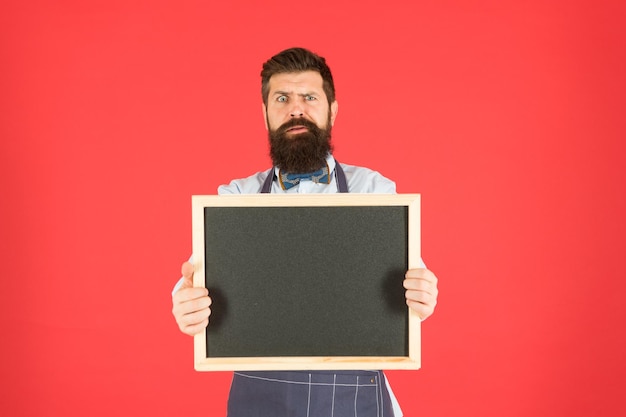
[(507, 116)]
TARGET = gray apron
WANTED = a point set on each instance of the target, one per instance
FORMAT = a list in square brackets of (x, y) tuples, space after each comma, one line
[(309, 393)]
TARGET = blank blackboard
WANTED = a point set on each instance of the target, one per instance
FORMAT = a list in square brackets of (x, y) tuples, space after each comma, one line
[(306, 281)]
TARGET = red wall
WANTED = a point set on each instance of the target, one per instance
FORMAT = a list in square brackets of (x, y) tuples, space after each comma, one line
[(507, 116)]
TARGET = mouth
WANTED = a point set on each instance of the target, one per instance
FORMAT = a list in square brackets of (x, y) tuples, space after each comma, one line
[(297, 129)]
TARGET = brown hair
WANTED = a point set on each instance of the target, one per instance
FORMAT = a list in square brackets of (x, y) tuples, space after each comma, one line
[(297, 60)]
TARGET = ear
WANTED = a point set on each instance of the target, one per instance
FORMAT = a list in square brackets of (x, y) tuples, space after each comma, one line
[(265, 116), (334, 108)]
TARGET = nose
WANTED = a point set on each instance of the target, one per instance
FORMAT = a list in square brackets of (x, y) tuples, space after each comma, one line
[(296, 109)]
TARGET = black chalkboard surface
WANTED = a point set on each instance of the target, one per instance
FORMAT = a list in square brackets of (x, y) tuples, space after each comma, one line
[(306, 281)]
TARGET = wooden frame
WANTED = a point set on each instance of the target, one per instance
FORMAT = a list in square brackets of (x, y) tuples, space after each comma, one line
[(203, 359)]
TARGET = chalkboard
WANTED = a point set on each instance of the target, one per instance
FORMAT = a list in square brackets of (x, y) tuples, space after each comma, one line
[(306, 281)]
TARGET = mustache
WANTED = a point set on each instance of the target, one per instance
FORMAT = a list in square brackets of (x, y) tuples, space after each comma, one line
[(297, 122)]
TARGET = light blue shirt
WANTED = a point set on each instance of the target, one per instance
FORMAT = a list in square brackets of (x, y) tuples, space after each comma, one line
[(360, 180)]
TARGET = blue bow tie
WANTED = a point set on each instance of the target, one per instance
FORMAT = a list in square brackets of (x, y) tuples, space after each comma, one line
[(290, 180)]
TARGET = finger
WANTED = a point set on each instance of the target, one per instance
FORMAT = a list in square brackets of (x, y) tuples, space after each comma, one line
[(421, 300), (192, 299), (195, 322), (420, 297), (420, 279), (423, 310), (195, 317), (421, 273), (193, 330), (188, 294), (420, 285), (187, 271)]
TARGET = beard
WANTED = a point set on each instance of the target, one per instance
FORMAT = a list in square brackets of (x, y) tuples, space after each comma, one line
[(302, 152)]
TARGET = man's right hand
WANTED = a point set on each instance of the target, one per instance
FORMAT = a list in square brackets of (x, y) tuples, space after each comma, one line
[(190, 305)]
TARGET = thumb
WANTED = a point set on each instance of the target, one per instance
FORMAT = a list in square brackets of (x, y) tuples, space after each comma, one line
[(187, 271)]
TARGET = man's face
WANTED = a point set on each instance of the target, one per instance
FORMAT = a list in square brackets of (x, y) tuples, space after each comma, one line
[(299, 119)]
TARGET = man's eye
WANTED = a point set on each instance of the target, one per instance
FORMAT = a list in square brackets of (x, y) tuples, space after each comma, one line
[(310, 98), (282, 99)]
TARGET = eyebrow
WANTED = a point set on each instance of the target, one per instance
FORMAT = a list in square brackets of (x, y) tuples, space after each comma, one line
[(288, 93)]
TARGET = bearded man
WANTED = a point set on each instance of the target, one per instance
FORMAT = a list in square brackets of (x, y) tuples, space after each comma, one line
[(300, 109)]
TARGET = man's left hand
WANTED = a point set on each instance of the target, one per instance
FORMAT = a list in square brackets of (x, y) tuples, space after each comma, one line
[(421, 291)]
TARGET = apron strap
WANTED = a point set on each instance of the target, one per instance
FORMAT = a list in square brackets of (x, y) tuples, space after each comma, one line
[(342, 183), (267, 184), (340, 175)]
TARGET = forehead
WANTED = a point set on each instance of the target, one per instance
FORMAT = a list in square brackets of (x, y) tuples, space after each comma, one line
[(306, 81)]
